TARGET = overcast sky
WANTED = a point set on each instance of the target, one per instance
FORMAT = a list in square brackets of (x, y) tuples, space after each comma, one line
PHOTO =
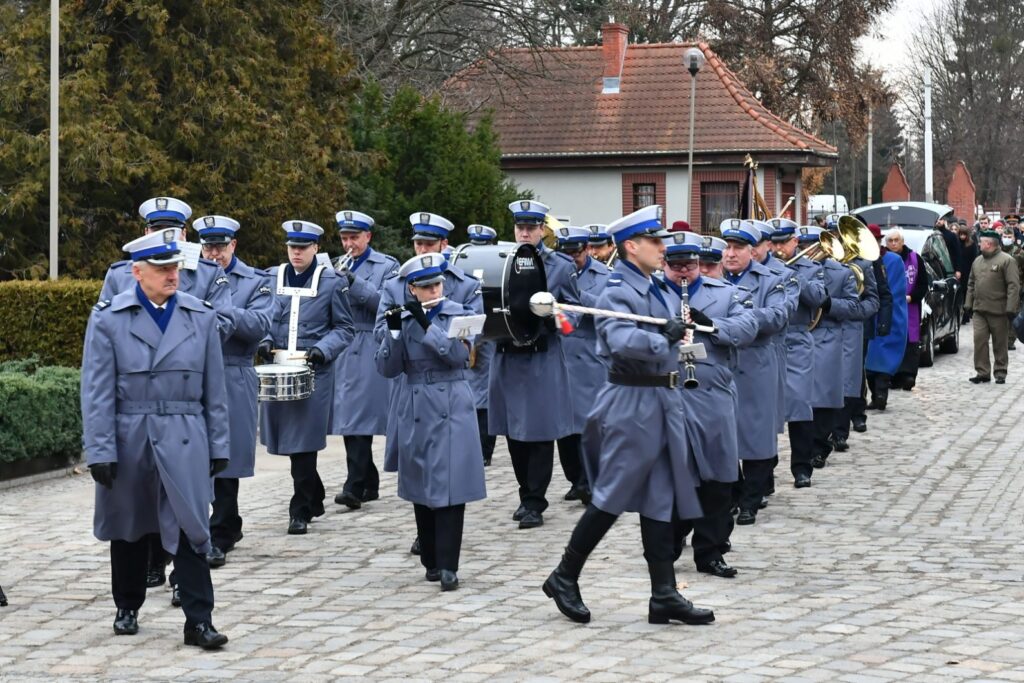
[(887, 48)]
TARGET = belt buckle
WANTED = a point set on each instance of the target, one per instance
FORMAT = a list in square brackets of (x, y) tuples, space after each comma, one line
[(161, 407), (673, 379)]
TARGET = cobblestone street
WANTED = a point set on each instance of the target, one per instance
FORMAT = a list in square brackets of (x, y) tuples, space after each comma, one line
[(902, 562)]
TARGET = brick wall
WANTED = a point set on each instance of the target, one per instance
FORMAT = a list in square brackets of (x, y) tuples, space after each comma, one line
[(630, 179), (960, 192)]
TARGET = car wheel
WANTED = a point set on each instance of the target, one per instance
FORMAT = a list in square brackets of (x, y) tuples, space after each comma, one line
[(927, 346), (951, 344)]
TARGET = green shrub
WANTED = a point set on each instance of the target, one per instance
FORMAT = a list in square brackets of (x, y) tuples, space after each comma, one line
[(39, 412), (46, 319)]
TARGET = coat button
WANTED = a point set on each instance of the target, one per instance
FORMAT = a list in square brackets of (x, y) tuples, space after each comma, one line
[(415, 391), (152, 375), (444, 414), (416, 419), (184, 440), (156, 441)]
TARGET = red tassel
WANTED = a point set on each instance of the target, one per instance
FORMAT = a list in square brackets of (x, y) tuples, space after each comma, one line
[(563, 323)]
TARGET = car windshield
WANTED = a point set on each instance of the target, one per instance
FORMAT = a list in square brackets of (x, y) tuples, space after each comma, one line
[(892, 215)]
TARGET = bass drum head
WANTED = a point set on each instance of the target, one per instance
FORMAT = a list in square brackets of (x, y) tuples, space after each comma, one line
[(511, 274), (524, 277)]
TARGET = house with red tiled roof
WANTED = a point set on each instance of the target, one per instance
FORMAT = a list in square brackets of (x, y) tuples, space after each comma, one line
[(605, 131)]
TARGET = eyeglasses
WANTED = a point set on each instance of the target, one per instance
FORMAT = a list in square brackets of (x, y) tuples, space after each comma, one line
[(682, 265), (215, 248)]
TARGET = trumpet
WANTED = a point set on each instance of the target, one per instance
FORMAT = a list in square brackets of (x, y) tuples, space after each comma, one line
[(345, 262), (829, 246)]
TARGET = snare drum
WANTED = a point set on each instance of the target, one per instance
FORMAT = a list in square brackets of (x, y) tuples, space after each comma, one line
[(284, 382)]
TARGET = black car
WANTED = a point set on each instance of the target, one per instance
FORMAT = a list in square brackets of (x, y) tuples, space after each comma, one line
[(941, 309)]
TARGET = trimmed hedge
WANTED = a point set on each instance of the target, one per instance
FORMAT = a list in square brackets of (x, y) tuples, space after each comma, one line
[(40, 415), (46, 319)]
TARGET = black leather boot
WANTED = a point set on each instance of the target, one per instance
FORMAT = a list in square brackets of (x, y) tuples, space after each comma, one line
[(126, 623), (3, 598), (666, 602), (204, 635), (563, 586)]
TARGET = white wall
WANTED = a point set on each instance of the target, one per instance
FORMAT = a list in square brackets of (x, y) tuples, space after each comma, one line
[(595, 195), (584, 195)]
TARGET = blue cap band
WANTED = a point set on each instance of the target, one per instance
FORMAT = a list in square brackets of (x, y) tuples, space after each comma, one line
[(163, 250), (634, 230), (424, 229)]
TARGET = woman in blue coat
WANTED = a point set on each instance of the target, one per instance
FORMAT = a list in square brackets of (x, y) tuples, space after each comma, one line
[(885, 353), (435, 435)]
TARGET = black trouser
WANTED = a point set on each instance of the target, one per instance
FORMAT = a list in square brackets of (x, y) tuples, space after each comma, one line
[(801, 443), (440, 534), (308, 498), (711, 532), (906, 376), (571, 457), (757, 474), (533, 462), (843, 416), (593, 524), (879, 383), (363, 480), (128, 578), (487, 441), (824, 423), (225, 522)]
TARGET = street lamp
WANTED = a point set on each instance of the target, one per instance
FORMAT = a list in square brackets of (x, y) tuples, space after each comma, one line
[(693, 60)]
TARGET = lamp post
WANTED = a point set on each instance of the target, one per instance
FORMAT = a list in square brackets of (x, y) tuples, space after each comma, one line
[(54, 131), (693, 60)]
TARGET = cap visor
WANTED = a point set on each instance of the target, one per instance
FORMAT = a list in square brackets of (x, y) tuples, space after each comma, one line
[(215, 239), (166, 260), (427, 281), (299, 243)]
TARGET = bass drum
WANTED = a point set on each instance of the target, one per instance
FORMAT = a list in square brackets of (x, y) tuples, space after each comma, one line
[(510, 275)]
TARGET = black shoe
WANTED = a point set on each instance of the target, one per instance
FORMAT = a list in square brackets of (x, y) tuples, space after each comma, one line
[(562, 586), (415, 549), (175, 596), (433, 575), (155, 576), (802, 481), (369, 496), (667, 604), (297, 526), (1000, 380), (717, 568), (318, 511), (572, 494), (978, 379), (818, 461), (531, 520), (349, 500), (859, 426), (449, 580), (585, 495), (216, 558), (1011, 347), (487, 461), (763, 504), (746, 517), (126, 623), (517, 516), (3, 598), (841, 445), (205, 636)]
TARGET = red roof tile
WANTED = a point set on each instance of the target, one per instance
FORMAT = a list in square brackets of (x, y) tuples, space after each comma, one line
[(565, 113)]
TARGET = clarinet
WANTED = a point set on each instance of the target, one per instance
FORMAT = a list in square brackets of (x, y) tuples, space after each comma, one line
[(690, 382)]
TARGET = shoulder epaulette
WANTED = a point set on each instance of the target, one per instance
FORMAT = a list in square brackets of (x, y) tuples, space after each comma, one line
[(100, 305)]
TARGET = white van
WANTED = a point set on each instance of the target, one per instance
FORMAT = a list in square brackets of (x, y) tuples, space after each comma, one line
[(818, 204)]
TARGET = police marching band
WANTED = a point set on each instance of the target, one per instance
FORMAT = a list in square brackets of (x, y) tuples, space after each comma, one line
[(663, 366)]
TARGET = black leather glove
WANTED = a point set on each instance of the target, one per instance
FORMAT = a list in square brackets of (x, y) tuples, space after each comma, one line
[(697, 316), (104, 473), (393, 316), (348, 276), (415, 308), (217, 466), (826, 305), (316, 357), (674, 330), (266, 350)]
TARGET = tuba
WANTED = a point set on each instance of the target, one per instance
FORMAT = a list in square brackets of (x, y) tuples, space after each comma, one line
[(858, 242)]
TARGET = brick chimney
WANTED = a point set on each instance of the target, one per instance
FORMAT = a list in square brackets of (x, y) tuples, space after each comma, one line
[(614, 41)]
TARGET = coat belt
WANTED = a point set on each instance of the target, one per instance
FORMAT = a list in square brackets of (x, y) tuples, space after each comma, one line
[(242, 361), (432, 376), (362, 327), (159, 408), (669, 380)]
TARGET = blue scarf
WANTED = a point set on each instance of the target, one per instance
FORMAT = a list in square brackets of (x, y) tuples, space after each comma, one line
[(231, 266), (160, 317), (653, 289), (359, 261), (739, 276), (298, 279)]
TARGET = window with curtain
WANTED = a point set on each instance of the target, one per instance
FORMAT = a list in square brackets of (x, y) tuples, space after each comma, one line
[(643, 195), (718, 201)]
